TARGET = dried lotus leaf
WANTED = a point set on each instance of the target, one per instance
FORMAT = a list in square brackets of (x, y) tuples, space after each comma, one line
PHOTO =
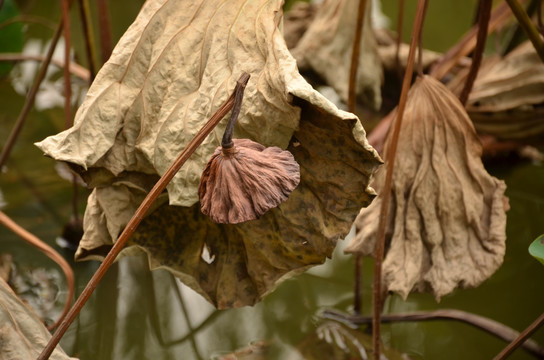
[(326, 48), (172, 69), (447, 220)]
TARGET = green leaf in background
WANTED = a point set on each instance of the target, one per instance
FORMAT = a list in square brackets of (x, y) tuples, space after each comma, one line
[(11, 36), (536, 249)]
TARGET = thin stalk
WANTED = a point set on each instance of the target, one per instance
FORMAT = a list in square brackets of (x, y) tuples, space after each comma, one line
[(528, 26), (500, 15), (85, 16), (75, 196), (29, 19), (539, 16), (357, 284), (521, 339), (105, 29), (75, 69), (356, 50), (226, 142), (490, 326), (477, 13), (484, 14), (380, 237), (138, 216), (68, 120), (192, 333), (400, 19), (420, 45), (50, 253), (66, 70), (29, 102), (517, 33)]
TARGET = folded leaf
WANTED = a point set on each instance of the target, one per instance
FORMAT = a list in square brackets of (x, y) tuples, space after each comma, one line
[(447, 214), (22, 334), (176, 64), (326, 48)]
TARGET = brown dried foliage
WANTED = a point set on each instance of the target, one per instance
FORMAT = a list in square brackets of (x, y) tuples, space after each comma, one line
[(447, 224)]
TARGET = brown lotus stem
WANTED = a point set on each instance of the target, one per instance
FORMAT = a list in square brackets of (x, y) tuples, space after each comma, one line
[(420, 45), (105, 29), (490, 326), (500, 15), (527, 26), (86, 24), (29, 102), (521, 340), (139, 215), (226, 142), (484, 14), (390, 161), (400, 19), (50, 253), (352, 85), (66, 71), (539, 17)]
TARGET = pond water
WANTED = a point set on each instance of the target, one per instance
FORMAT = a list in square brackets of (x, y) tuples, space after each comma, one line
[(138, 314)]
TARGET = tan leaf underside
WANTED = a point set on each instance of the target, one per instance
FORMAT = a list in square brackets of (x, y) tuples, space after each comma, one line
[(447, 214)]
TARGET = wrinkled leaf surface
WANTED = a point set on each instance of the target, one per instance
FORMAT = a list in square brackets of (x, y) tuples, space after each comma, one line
[(508, 97), (22, 334), (447, 217), (326, 48), (176, 64)]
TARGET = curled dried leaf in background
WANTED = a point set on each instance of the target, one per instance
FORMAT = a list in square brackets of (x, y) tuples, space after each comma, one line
[(155, 93), (297, 20), (507, 100), (327, 45), (448, 220)]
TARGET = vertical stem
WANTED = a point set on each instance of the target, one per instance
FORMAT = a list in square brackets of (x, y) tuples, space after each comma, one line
[(226, 142), (105, 29), (539, 17), (521, 338), (400, 19), (352, 85), (138, 217), (75, 191), (500, 15), (29, 102), (390, 159), (84, 14), (357, 285), (527, 26), (51, 253), (66, 67), (484, 14), (420, 46)]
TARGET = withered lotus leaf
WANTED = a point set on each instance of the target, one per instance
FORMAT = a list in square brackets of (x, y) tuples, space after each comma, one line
[(245, 181), (23, 334), (447, 215), (175, 65), (507, 100), (326, 48)]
